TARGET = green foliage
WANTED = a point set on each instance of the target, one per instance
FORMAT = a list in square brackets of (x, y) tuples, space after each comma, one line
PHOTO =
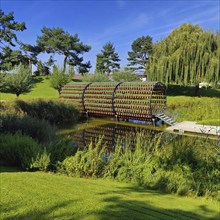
[(124, 76), (141, 50), (187, 56), (60, 150), (108, 60), (177, 167), (89, 162), (58, 78), (41, 131), (43, 70), (18, 150), (2, 80), (54, 111), (20, 81), (97, 77), (42, 161), (56, 40)]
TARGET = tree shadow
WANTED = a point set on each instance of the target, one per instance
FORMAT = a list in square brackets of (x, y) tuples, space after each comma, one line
[(177, 90), (117, 208), (8, 169), (39, 214)]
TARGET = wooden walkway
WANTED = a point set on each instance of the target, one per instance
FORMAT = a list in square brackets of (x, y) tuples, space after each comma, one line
[(190, 127)]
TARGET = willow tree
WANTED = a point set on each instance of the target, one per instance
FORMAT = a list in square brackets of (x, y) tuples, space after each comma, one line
[(187, 56)]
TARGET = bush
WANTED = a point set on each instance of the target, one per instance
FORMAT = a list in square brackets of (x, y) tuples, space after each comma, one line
[(97, 77), (60, 150), (42, 161), (41, 131), (124, 76), (185, 166), (18, 150), (54, 111)]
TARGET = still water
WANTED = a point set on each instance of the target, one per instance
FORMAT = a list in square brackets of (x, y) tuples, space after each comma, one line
[(110, 130)]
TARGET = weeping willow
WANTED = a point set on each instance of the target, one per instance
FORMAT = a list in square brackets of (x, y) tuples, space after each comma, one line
[(187, 56)]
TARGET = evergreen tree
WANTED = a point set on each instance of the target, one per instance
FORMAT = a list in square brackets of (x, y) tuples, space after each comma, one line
[(56, 40), (8, 40), (187, 56), (141, 50), (108, 60)]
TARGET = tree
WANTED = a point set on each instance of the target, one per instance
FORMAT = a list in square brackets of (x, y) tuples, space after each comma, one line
[(9, 57), (187, 56), (141, 50), (108, 60), (56, 40), (58, 78), (20, 80), (42, 68)]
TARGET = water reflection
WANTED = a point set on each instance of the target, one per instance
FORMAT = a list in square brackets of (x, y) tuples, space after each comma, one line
[(110, 134)]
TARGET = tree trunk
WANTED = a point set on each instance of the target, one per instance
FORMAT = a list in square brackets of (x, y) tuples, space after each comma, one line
[(64, 64)]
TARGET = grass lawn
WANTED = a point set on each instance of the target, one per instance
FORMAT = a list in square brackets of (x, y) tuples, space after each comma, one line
[(180, 101), (37, 195), (41, 89)]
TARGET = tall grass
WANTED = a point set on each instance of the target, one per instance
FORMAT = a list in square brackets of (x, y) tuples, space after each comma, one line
[(185, 166)]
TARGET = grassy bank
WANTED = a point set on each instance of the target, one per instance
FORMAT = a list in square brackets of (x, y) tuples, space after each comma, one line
[(41, 89), (26, 195), (181, 102)]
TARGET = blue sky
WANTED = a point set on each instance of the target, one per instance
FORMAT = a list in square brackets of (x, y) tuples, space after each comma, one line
[(118, 21)]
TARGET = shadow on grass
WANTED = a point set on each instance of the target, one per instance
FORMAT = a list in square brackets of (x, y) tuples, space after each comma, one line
[(113, 207), (6, 169), (133, 209), (39, 214), (176, 90)]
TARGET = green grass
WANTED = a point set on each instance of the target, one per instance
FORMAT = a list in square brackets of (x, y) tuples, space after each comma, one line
[(26, 195), (41, 89), (180, 101), (204, 109)]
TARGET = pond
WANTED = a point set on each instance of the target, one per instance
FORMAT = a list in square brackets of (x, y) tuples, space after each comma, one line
[(110, 131)]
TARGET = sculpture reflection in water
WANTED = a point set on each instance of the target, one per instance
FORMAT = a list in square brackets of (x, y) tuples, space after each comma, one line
[(111, 134)]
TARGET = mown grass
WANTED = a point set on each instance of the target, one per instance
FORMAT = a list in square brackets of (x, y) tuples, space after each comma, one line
[(181, 102), (38, 195), (184, 106), (41, 89)]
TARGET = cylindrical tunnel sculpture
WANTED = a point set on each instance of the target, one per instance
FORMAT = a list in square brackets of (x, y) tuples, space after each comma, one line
[(128, 100)]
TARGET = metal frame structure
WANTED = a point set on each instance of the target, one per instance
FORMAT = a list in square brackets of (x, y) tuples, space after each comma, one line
[(127, 100)]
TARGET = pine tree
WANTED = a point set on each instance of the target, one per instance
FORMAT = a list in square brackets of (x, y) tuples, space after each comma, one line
[(141, 50), (108, 59)]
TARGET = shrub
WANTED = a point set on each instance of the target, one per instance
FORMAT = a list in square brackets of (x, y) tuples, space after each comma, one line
[(41, 131), (60, 150), (54, 111), (124, 76), (185, 166), (97, 77), (42, 161), (88, 162), (18, 150)]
